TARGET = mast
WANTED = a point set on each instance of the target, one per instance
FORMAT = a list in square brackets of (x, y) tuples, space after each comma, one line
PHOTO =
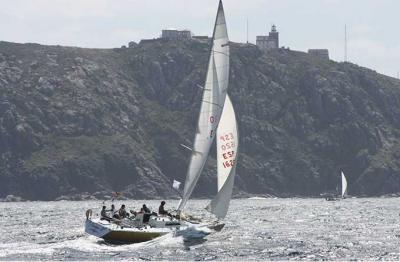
[(247, 31), (345, 43), (212, 103)]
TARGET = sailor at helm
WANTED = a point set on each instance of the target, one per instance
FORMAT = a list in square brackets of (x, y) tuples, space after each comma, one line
[(162, 211)]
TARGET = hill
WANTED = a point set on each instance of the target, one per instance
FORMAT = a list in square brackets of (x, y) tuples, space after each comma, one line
[(81, 122)]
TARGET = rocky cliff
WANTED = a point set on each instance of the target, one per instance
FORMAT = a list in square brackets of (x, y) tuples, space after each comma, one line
[(79, 121)]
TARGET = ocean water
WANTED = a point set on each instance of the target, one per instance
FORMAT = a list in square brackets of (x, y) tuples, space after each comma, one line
[(256, 229)]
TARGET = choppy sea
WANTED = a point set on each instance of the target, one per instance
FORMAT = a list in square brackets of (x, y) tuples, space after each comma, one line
[(256, 229)]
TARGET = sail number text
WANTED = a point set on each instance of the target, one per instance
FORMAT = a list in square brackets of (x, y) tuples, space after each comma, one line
[(212, 119), (229, 141), (227, 137), (228, 163), (228, 144)]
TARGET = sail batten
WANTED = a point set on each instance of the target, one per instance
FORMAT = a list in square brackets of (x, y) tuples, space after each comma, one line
[(213, 99)]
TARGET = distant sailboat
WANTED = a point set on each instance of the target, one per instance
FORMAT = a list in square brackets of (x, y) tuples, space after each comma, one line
[(334, 196), (344, 185)]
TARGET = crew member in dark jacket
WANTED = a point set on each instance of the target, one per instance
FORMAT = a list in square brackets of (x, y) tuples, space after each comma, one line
[(146, 209), (162, 211)]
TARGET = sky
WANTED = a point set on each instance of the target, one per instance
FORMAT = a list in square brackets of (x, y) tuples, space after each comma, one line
[(372, 25)]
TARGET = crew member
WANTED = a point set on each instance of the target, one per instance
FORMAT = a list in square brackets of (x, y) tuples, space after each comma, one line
[(122, 212), (162, 211), (103, 214)]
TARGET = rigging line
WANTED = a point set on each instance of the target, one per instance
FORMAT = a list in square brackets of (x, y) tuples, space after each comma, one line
[(202, 87), (212, 103), (191, 149), (222, 53)]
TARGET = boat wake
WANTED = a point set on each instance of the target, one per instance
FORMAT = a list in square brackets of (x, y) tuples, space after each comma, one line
[(193, 232), (184, 236)]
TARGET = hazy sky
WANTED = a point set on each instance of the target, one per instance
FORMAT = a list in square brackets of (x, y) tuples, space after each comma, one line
[(373, 25)]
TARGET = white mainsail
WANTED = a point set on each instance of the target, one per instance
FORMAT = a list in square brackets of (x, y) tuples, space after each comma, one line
[(213, 100), (227, 152), (344, 185)]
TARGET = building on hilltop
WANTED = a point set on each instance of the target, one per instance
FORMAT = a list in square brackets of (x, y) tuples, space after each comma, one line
[(201, 37), (132, 44), (270, 41), (168, 34), (175, 34), (321, 53)]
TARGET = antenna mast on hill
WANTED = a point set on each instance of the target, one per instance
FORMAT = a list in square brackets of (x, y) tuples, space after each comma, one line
[(247, 30), (345, 43)]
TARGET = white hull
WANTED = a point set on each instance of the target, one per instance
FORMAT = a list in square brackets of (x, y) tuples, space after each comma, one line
[(156, 227), (125, 234)]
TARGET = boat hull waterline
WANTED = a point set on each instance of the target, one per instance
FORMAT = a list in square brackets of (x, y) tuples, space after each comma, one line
[(120, 234), (117, 234)]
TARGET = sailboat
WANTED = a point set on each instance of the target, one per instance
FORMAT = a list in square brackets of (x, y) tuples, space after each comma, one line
[(344, 186), (216, 119), (332, 197)]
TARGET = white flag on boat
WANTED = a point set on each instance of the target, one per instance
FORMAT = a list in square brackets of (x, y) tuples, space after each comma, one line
[(176, 184)]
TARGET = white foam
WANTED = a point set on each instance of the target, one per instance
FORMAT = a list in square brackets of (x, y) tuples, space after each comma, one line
[(257, 198)]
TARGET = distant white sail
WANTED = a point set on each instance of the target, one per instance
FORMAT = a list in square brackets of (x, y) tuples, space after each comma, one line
[(213, 99), (344, 185), (227, 152)]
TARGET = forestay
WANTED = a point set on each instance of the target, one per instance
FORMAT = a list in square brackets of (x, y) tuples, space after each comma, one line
[(213, 99), (227, 152)]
